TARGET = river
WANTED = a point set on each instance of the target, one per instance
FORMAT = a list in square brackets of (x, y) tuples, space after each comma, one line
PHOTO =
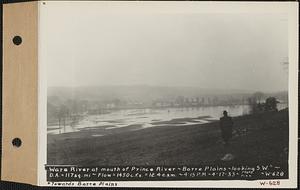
[(146, 118)]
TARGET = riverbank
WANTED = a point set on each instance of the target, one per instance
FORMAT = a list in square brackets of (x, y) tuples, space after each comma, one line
[(257, 139)]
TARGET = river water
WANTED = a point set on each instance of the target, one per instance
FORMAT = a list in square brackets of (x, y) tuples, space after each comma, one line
[(145, 118)]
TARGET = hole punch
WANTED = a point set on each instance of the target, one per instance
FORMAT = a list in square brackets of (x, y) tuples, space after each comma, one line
[(17, 40), (16, 142)]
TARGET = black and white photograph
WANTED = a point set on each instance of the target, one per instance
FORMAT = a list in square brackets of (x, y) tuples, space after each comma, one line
[(158, 92)]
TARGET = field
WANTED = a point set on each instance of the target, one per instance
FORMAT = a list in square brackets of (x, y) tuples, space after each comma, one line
[(260, 138)]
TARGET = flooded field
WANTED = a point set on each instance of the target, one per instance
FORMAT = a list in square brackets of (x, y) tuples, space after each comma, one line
[(144, 118)]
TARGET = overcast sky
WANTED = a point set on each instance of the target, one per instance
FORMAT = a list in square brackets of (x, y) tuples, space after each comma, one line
[(86, 45)]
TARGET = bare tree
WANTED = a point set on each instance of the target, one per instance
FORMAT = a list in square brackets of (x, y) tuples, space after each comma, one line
[(258, 96), (62, 116)]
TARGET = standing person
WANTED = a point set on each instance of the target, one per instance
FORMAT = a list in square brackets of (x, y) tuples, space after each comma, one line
[(226, 124)]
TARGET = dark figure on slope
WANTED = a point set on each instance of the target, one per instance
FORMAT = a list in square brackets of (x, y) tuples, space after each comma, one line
[(226, 124)]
